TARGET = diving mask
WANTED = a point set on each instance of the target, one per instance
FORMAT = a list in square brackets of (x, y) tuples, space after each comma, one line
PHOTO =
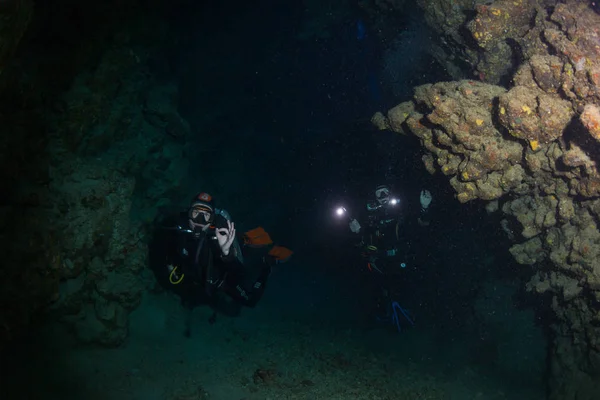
[(201, 215)]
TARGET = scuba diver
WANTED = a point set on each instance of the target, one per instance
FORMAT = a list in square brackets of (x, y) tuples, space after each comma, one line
[(380, 245), (384, 218), (199, 255)]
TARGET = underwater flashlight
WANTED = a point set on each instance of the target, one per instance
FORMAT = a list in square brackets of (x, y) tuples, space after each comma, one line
[(394, 201), (340, 211)]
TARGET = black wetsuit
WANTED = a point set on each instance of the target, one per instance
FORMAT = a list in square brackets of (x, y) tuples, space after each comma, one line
[(202, 271), (385, 248), (383, 230)]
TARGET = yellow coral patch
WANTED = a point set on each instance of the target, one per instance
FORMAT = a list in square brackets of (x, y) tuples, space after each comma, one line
[(479, 122), (534, 144), (496, 12), (465, 175), (502, 110), (526, 109)]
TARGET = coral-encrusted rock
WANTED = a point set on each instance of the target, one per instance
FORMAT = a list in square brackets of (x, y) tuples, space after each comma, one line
[(504, 18), (590, 118), (380, 121), (529, 252), (535, 214), (576, 157), (123, 288), (95, 232), (398, 115), (104, 324), (534, 115), (543, 72), (584, 179), (538, 141), (160, 110), (578, 42), (459, 131)]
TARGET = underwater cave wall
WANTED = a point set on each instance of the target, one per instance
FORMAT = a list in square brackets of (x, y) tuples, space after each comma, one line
[(92, 142)]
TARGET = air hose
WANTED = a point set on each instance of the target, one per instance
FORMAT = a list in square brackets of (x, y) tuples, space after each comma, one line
[(175, 281)]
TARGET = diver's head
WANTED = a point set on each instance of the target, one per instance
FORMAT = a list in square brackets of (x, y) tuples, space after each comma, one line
[(202, 212), (382, 194)]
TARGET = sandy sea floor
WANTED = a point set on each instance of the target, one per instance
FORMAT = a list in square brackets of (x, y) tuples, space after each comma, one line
[(266, 353)]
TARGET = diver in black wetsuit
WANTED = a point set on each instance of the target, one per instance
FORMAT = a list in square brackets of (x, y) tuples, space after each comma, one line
[(383, 220), (199, 256), (383, 244)]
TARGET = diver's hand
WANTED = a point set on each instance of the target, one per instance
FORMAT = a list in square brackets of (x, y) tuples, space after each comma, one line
[(426, 198), (354, 226), (225, 237)]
